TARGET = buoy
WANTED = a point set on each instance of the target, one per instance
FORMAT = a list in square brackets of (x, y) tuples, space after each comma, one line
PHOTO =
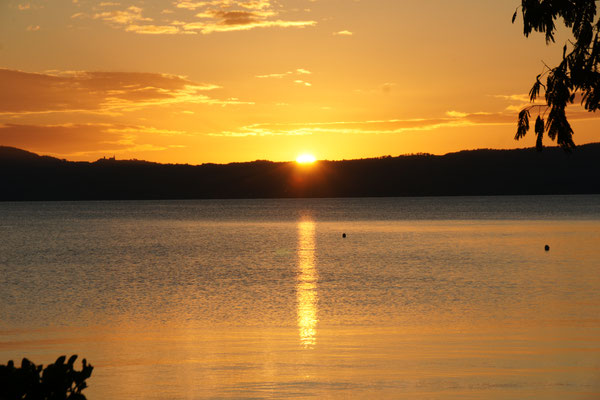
[(547, 248), (343, 235)]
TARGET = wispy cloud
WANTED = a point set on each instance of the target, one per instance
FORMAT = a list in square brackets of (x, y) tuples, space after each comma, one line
[(249, 4), (452, 119), (130, 15), (299, 71), (519, 101), (154, 29), (289, 74), (209, 16), (87, 139), (98, 92), (343, 33), (240, 24), (190, 5), (343, 127), (301, 82), (456, 114), (278, 76), (522, 97)]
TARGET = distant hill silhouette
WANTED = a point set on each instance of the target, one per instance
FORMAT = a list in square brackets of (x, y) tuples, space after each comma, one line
[(27, 176)]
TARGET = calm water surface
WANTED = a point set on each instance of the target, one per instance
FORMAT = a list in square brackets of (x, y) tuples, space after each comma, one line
[(426, 298)]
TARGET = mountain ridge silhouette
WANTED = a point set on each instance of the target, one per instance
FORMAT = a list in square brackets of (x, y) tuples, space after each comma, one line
[(27, 176)]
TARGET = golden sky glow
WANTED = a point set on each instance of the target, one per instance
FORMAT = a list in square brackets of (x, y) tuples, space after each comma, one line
[(238, 80)]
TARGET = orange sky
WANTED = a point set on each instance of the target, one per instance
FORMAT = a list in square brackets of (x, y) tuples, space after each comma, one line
[(190, 81)]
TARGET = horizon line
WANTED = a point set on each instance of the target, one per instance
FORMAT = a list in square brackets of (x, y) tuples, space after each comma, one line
[(114, 157)]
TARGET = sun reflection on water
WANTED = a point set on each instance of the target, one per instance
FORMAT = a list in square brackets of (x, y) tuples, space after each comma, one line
[(306, 287)]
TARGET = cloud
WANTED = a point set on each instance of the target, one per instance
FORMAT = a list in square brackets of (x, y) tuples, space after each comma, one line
[(522, 97), (153, 29), (210, 16), (249, 4), (243, 25), (343, 127), (85, 139), (453, 119), (190, 5), (343, 33), (97, 92), (33, 28), (273, 75), (301, 82), (456, 114), (130, 15), (255, 4), (58, 138), (521, 100), (236, 17), (297, 72)]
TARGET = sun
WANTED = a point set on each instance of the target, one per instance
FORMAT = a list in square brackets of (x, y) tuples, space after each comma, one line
[(306, 159)]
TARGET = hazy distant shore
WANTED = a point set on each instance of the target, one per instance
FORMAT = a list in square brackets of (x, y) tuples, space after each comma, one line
[(28, 176)]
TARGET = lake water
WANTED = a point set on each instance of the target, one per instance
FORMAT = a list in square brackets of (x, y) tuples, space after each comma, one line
[(425, 298)]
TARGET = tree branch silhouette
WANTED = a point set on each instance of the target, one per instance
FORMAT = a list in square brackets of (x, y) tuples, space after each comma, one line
[(577, 73)]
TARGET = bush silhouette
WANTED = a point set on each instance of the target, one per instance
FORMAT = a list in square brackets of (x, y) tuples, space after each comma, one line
[(58, 381)]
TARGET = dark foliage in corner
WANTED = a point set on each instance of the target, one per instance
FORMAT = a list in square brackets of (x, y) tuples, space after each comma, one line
[(58, 381), (577, 73)]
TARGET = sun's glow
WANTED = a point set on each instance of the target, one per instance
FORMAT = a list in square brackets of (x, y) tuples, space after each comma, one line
[(306, 159), (306, 287)]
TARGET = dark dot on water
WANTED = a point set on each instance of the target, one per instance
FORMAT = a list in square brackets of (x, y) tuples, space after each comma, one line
[(546, 247), (343, 235)]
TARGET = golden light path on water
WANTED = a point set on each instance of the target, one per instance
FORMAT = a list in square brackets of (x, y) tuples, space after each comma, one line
[(306, 287)]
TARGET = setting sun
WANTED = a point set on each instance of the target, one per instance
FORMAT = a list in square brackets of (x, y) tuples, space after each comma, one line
[(306, 159)]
